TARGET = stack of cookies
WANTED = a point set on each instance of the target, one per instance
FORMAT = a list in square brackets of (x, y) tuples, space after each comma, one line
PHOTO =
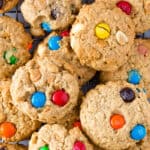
[(41, 93)]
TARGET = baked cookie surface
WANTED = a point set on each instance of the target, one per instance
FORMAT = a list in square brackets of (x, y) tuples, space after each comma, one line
[(49, 14), (138, 10), (6, 5), (12, 147), (14, 45), (116, 111), (102, 37), (136, 69), (57, 47), (14, 125), (44, 91), (56, 137)]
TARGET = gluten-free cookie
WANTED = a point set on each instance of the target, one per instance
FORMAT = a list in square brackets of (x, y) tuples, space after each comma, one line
[(115, 116), (6, 5), (14, 125), (138, 10), (136, 69), (47, 15), (12, 147), (15, 44), (56, 137), (102, 37), (57, 47), (44, 91)]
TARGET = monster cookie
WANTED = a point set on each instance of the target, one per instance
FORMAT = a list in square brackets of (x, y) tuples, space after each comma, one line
[(12, 147), (137, 68), (44, 91), (56, 137), (14, 125), (57, 47), (138, 10), (115, 116), (47, 15), (14, 45), (102, 37), (6, 5)]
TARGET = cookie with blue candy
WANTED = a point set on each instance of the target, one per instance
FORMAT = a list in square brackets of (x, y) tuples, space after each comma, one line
[(136, 69), (57, 47), (44, 91), (115, 116)]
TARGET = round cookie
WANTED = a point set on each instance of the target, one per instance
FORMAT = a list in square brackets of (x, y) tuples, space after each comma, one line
[(56, 137), (104, 42), (14, 125), (137, 68), (138, 10), (6, 5), (62, 54), (44, 91), (14, 45), (47, 15), (12, 147), (120, 110)]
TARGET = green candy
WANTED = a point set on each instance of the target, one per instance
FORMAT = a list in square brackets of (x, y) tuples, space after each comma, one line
[(44, 148), (13, 60)]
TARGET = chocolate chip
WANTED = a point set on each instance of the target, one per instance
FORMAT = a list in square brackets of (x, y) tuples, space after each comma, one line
[(1, 3), (127, 94), (87, 1), (3, 148), (54, 13)]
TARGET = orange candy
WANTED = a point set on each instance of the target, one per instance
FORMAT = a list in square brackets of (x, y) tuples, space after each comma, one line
[(117, 121), (7, 130), (29, 46)]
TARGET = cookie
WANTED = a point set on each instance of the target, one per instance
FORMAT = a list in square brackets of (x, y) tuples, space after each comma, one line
[(47, 15), (44, 91), (57, 47), (14, 125), (6, 5), (137, 68), (56, 137), (104, 42), (115, 116), (12, 147), (14, 45), (138, 10)]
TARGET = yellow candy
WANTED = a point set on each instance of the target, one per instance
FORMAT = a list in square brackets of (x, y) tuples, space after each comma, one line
[(102, 31)]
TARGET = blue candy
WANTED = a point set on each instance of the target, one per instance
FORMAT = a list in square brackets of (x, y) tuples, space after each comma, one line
[(38, 99), (138, 132), (134, 77), (53, 42), (46, 27)]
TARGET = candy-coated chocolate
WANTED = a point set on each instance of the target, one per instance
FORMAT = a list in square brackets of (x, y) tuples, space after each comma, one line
[(7, 129), (102, 30), (117, 121), (60, 98), (125, 7), (38, 99), (138, 132), (127, 94), (134, 77), (29, 47), (64, 33), (78, 145), (46, 27), (77, 124), (44, 148), (54, 42)]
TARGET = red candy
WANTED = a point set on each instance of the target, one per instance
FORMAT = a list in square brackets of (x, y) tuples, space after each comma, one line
[(29, 46), (77, 124), (142, 50), (78, 145), (64, 33), (60, 98), (125, 7)]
